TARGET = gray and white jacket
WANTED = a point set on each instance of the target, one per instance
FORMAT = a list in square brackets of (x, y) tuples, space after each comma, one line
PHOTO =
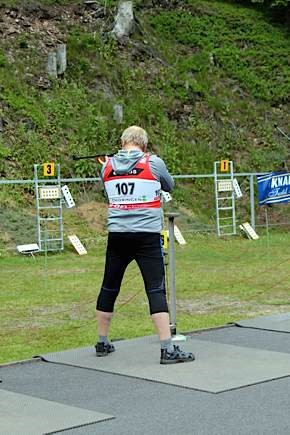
[(138, 220)]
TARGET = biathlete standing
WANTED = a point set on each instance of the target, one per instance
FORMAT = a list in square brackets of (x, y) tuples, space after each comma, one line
[(133, 181)]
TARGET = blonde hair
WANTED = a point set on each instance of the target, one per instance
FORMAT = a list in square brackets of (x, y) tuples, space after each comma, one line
[(136, 135)]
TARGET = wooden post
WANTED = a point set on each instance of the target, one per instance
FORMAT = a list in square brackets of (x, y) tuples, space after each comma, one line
[(51, 66), (61, 58), (118, 113)]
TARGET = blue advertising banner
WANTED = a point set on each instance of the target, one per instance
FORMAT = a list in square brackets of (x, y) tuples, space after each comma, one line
[(274, 188)]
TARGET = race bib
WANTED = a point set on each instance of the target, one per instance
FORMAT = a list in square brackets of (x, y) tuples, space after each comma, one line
[(132, 191)]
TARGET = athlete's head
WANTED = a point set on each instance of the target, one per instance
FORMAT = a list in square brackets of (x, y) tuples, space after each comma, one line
[(134, 136)]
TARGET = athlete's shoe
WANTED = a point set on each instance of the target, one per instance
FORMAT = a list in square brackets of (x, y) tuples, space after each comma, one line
[(103, 349), (176, 356)]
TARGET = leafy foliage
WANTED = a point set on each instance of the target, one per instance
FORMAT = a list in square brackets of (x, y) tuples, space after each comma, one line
[(243, 44), (273, 3), (207, 80)]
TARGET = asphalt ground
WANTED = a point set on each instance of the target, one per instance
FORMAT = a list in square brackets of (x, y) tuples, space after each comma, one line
[(146, 407)]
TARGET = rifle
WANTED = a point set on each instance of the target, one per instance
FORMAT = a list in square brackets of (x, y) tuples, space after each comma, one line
[(101, 158)]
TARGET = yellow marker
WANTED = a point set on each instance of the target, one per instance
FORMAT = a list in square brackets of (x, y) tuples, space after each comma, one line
[(224, 165), (164, 241), (48, 169)]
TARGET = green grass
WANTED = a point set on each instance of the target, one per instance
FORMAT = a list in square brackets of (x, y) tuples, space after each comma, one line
[(49, 306), (241, 41), (208, 80)]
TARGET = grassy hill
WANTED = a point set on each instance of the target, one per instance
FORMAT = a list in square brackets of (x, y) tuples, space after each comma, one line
[(207, 79)]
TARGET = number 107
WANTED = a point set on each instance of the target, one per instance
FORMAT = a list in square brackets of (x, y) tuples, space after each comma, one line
[(125, 188)]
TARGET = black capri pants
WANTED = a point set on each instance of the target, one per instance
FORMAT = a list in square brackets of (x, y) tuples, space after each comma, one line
[(146, 250)]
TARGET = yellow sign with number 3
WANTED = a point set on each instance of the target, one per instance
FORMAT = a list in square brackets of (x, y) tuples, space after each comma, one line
[(48, 169)]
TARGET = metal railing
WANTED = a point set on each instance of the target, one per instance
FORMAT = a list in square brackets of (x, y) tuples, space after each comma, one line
[(250, 175)]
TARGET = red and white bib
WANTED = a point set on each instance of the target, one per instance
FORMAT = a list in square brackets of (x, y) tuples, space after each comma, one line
[(136, 189)]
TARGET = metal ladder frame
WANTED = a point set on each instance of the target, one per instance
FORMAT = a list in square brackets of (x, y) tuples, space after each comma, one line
[(229, 196), (48, 243)]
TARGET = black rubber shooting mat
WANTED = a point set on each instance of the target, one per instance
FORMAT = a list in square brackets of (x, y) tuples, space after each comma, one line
[(247, 337), (277, 322), (218, 367), (27, 415)]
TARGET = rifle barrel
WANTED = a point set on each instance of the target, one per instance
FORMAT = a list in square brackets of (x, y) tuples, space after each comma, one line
[(95, 156)]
